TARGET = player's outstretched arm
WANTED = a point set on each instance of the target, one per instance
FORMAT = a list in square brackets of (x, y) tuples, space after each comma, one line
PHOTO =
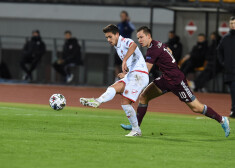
[(130, 51)]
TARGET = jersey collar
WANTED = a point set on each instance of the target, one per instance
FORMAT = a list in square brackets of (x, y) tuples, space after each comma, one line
[(151, 44), (119, 42)]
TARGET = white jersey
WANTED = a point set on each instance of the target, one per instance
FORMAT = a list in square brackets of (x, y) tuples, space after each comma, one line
[(136, 61)]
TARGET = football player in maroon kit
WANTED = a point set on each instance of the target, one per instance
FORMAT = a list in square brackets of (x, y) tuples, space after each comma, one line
[(171, 80)]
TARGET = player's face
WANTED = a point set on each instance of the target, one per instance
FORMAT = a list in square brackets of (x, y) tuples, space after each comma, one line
[(232, 24), (35, 34), (143, 39), (67, 36), (170, 35), (123, 17), (112, 38), (213, 37), (201, 39)]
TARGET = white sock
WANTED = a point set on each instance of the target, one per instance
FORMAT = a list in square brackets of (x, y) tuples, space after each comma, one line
[(107, 96), (131, 115)]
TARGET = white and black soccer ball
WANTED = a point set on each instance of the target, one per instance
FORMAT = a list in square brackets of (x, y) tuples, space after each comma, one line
[(57, 101)]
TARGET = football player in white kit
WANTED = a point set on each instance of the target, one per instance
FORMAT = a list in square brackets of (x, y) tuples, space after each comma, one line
[(134, 77)]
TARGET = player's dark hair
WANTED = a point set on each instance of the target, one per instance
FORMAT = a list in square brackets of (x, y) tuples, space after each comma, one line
[(125, 12), (111, 28), (232, 18), (201, 34), (145, 29), (36, 31), (68, 32), (217, 37), (172, 32)]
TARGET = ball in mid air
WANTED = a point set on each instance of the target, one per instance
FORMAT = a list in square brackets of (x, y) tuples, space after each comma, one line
[(57, 101)]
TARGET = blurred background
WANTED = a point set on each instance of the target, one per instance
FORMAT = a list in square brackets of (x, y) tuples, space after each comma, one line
[(85, 19)]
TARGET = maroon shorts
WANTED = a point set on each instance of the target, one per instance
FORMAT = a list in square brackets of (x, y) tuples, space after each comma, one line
[(181, 90)]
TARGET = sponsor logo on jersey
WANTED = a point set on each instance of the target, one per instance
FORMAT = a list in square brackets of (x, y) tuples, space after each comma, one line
[(127, 43), (148, 57)]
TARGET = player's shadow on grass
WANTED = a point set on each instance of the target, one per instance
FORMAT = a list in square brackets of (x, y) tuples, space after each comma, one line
[(126, 140), (165, 138), (217, 140)]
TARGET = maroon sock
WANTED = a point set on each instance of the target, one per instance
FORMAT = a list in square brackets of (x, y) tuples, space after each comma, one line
[(209, 112), (141, 111)]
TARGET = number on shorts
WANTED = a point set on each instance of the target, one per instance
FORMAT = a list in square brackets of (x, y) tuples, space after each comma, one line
[(182, 95), (173, 59)]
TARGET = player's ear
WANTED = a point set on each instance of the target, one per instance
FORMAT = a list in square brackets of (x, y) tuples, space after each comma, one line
[(117, 34)]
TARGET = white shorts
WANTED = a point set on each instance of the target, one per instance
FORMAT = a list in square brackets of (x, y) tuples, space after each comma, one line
[(135, 83)]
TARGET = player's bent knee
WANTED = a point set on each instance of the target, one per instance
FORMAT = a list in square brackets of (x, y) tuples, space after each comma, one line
[(196, 106), (196, 109), (143, 98)]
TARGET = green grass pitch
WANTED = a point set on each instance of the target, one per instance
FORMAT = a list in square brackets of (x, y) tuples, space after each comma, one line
[(34, 136)]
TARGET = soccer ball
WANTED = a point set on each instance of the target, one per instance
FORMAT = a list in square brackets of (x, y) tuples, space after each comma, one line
[(57, 101)]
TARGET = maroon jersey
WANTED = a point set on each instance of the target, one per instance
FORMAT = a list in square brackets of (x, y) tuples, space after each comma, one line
[(158, 54)]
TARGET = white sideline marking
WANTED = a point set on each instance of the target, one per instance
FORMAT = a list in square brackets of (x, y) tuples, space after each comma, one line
[(53, 114), (20, 109)]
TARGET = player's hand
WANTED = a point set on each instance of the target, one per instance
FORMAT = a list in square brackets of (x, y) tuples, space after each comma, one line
[(121, 75), (124, 66)]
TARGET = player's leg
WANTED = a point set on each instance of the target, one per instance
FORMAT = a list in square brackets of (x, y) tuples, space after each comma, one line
[(59, 68), (149, 93), (185, 94), (23, 63), (108, 95), (34, 64), (198, 107), (131, 115)]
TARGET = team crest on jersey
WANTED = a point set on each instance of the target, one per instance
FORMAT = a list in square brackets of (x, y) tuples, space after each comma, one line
[(126, 91)]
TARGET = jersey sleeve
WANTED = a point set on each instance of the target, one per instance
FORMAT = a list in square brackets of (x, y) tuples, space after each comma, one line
[(127, 42), (152, 55)]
